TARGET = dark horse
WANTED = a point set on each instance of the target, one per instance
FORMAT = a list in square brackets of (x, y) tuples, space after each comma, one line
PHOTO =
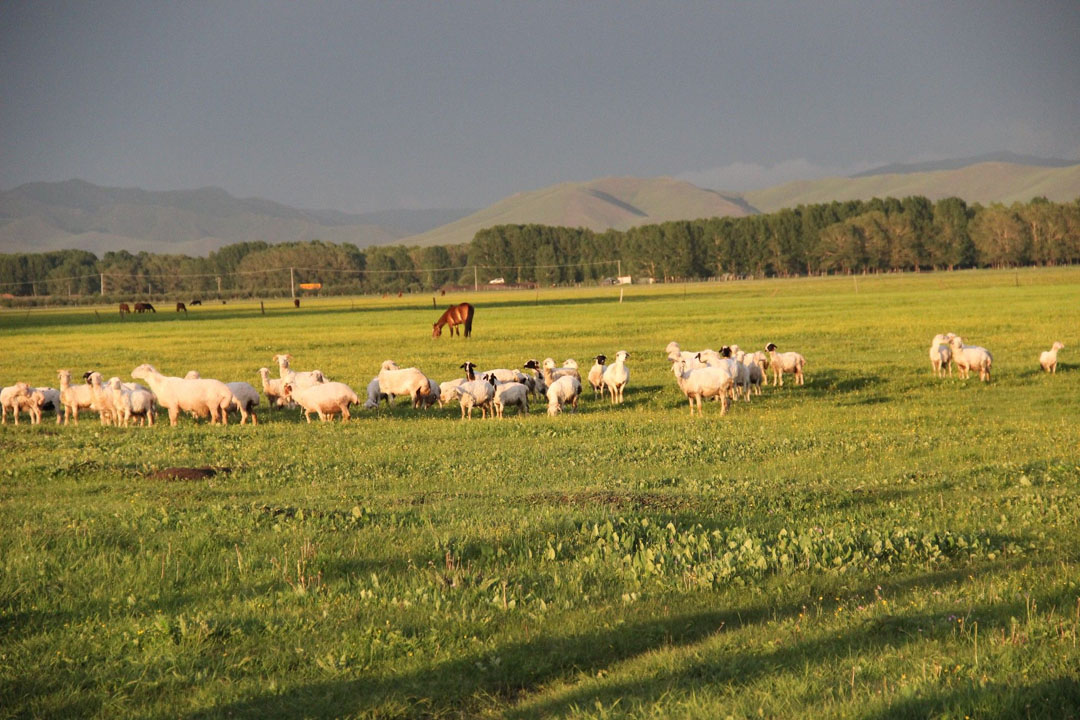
[(455, 315)]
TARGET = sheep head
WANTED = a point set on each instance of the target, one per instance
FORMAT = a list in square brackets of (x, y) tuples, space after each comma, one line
[(600, 359)]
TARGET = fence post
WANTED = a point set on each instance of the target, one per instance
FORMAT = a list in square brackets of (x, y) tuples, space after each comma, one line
[(102, 284), (475, 279), (292, 281)]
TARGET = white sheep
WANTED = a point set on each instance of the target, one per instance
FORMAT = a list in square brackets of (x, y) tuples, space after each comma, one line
[(508, 394), (1048, 359), (739, 374), (674, 352), (403, 381), (450, 391), (376, 395), (616, 376), (103, 399), (299, 380), (73, 397), (246, 400), (132, 400), (755, 373), (475, 393), (272, 389), (788, 362), (537, 384), (325, 399), (706, 382), (596, 375), (431, 395), (940, 355), (971, 357), (12, 398), (200, 397)]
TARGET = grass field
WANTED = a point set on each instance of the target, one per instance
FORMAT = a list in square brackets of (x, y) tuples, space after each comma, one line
[(877, 543)]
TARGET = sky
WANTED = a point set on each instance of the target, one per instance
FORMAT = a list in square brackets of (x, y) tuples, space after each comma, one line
[(363, 106)]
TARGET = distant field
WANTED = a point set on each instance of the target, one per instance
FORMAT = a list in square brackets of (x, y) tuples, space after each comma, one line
[(877, 543)]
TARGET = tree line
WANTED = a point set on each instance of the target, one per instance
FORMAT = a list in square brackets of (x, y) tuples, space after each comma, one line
[(879, 235)]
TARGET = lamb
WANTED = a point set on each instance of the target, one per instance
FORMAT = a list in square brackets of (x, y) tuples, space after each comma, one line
[(200, 397), (430, 395), (299, 380), (408, 381), (1048, 359), (724, 361), (450, 391), (596, 376), (940, 355), (789, 362), (375, 395), (755, 373), (74, 397), (325, 399), (616, 376), (11, 398), (674, 352), (103, 399), (33, 405), (245, 400), (707, 382), (971, 357), (507, 394), (741, 374), (132, 400), (538, 386), (475, 393), (272, 388)]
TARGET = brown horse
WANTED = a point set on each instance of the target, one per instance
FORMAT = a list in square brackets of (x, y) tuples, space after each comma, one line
[(125, 308), (181, 307), (455, 315)]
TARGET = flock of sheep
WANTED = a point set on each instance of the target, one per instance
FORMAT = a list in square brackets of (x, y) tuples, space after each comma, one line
[(723, 376)]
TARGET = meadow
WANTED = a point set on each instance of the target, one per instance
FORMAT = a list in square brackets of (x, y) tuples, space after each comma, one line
[(877, 543)]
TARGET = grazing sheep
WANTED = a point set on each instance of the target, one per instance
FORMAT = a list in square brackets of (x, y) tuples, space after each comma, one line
[(375, 395), (706, 382), (508, 394), (940, 355), (596, 376), (74, 397), (616, 376), (11, 398), (325, 399), (788, 362), (299, 380), (475, 393), (408, 381), (200, 397), (505, 375), (1048, 359), (971, 357), (430, 395), (33, 405), (245, 400), (272, 388), (450, 391)]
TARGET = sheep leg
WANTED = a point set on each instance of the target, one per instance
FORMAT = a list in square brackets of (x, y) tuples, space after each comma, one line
[(254, 418), (174, 412)]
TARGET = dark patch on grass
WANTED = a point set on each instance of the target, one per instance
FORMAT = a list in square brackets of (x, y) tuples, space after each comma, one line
[(188, 473)]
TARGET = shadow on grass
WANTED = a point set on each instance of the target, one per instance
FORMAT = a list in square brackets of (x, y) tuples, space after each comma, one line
[(1056, 699), (467, 684)]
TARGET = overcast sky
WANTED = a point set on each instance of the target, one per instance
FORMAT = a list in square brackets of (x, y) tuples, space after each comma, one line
[(377, 105)]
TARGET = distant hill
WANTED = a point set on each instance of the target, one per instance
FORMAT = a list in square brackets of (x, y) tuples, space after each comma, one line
[(957, 163), (37, 217), (609, 203), (983, 183)]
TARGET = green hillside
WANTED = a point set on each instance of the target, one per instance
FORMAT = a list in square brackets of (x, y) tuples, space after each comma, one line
[(983, 183), (609, 203)]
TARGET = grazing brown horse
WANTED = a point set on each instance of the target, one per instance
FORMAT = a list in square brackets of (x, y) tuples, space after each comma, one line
[(142, 307), (125, 308), (455, 315), (181, 307)]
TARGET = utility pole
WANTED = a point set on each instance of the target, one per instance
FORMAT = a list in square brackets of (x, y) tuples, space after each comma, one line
[(620, 268), (475, 279), (103, 284), (292, 281), (219, 285)]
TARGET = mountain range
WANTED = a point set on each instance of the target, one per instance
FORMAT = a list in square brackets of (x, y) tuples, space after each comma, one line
[(38, 217)]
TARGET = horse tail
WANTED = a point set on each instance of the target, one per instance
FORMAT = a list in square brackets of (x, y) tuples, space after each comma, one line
[(468, 319)]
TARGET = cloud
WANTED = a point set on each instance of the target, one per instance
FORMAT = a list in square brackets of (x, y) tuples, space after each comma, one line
[(741, 177)]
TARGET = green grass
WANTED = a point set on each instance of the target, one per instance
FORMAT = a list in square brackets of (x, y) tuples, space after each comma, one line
[(877, 543)]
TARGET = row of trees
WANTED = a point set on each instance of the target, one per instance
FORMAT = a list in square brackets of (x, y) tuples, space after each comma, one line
[(840, 237)]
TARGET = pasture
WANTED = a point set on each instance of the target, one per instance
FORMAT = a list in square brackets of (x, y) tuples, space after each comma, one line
[(877, 543)]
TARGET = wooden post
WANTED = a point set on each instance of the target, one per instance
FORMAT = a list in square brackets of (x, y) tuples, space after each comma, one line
[(103, 284), (475, 279), (620, 294), (292, 281), (262, 307)]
